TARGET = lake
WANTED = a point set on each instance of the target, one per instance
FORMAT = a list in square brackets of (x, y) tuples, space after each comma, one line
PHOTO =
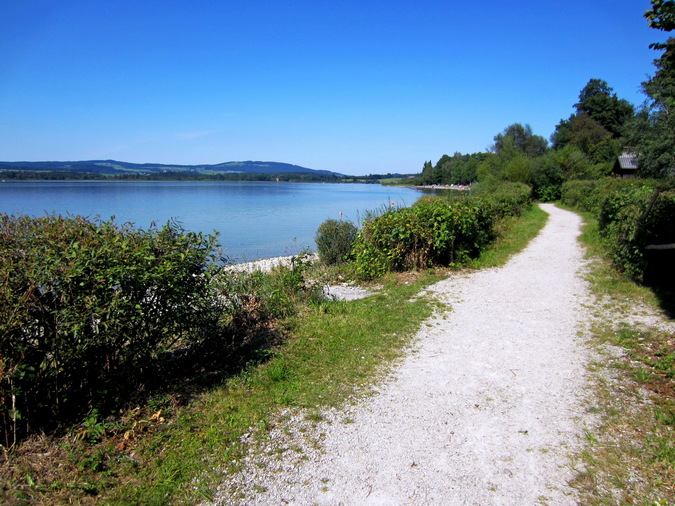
[(255, 220)]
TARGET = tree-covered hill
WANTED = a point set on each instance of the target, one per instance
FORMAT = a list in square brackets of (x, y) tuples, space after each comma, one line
[(114, 167)]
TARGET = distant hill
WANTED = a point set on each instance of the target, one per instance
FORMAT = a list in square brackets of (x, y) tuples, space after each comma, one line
[(114, 167)]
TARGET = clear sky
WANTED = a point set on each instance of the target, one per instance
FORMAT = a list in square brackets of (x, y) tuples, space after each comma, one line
[(356, 87)]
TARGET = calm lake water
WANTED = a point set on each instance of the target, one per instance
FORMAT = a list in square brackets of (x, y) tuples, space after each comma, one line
[(255, 220)]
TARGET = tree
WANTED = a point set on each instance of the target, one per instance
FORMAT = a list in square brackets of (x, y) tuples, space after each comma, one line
[(597, 126), (520, 138), (546, 177), (428, 175), (597, 100), (589, 136), (652, 132), (662, 15)]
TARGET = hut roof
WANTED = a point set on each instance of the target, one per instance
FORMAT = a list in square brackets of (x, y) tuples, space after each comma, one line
[(628, 161)]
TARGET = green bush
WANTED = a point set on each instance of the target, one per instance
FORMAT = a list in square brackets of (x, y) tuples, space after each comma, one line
[(633, 216), (582, 194), (335, 241), (631, 213), (434, 231), (86, 309)]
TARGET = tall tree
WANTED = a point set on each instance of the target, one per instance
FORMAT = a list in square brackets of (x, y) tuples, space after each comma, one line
[(597, 126), (589, 136), (653, 131), (428, 175), (521, 139), (602, 105)]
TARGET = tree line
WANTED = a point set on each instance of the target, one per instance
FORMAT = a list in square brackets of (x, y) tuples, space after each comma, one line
[(587, 144), (60, 175)]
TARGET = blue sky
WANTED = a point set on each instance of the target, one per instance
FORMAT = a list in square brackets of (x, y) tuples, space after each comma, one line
[(356, 87)]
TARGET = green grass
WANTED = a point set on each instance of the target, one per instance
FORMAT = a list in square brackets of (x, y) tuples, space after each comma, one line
[(514, 235), (604, 278), (332, 355), (334, 351), (631, 458)]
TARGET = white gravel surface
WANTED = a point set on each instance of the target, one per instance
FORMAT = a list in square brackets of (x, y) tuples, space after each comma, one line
[(486, 409)]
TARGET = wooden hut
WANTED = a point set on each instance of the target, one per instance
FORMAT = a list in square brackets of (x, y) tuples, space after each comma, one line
[(626, 165)]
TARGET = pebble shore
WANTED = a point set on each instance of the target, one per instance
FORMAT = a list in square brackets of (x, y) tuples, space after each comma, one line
[(266, 264)]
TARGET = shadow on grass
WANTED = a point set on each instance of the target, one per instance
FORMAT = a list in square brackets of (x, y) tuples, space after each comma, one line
[(666, 298), (184, 376), (91, 454), (660, 277)]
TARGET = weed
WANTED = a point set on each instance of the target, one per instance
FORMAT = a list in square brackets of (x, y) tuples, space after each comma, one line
[(642, 375), (666, 417), (590, 437), (315, 417)]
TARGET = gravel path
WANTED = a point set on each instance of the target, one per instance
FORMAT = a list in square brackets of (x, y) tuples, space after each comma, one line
[(485, 409)]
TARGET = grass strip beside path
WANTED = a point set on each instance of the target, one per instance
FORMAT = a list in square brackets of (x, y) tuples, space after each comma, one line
[(335, 349), (630, 455)]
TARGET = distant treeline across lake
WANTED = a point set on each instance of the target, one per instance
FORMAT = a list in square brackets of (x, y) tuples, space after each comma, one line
[(255, 220)]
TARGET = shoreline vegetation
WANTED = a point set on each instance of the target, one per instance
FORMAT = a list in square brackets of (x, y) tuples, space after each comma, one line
[(112, 170), (96, 307), (141, 368), (288, 344)]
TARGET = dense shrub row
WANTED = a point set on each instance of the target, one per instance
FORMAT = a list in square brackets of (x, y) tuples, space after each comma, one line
[(85, 308), (632, 214), (91, 313), (434, 231)]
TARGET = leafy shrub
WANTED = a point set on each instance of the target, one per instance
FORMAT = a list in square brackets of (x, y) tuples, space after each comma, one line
[(87, 307), (434, 231), (335, 241), (503, 198), (633, 216), (548, 193), (581, 194), (631, 213)]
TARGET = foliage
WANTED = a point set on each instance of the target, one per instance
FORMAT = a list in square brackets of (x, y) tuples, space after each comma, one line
[(597, 126), (456, 169), (507, 165), (631, 215), (516, 158), (582, 195), (662, 15), (652, 132), (521, 139), (434, 232), (335, 240), (586, 134), (598, 101), (87, 309), (252, 299), (546, 178)]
